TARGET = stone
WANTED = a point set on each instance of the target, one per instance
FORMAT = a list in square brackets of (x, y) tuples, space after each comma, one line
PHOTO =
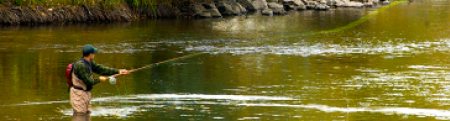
[(276, 8), (322, 7), (214, 13), (267, 12), (368, 5), (206, 10), (375, 2), (290, 7), (294, 5), (230, 7), (205, 14), (353, 4), (198, 9), (293, 2), (253, 5), (311, 4), (260, 4), (386, 2)]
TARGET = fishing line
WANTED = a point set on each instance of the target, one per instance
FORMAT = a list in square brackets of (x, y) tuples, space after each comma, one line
[(112, 78)]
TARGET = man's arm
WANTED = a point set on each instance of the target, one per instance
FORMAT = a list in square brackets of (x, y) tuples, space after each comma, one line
[(102, 70), (82, 72)]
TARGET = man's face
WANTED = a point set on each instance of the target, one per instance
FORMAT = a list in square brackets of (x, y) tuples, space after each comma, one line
[(91, 56)]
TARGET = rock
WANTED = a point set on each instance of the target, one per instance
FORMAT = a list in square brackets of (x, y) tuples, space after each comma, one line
[(230, 7), (214, 13), (209, 6), (369, 4), (322, 7), (323, 2), (386, 2), (276, 8), (253, 5), (206, 10), (311, 4), (331, 2), (293, 2), (294, 5), (290, 7), (205, 14), (259, 4), (353, 4), (242, 9), (198, 9), (339, 3), (375, 2), (267, 12)]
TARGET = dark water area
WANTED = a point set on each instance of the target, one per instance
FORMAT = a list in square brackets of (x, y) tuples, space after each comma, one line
[(391, 67)]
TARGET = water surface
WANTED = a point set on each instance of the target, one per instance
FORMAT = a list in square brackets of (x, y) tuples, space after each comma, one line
[(392, 67)]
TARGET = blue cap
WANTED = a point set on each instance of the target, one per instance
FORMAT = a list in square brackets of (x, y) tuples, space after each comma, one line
[(88, 49)]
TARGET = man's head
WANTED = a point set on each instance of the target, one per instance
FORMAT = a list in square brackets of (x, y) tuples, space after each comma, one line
[(89, 51)]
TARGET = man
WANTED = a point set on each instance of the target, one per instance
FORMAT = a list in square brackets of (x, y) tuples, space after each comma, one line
[(83, 81)]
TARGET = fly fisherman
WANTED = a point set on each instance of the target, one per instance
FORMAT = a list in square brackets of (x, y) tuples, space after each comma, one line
[(83, 81)]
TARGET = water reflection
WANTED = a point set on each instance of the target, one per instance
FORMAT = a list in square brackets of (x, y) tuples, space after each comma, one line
[(392, 67)]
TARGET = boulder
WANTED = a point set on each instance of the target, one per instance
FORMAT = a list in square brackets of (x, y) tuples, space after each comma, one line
[(311, 4), (294, 5), (290, 7), (214, 13), (375, 2), (293, 2), (198, 9), (206, 10), (230, 7), (267, 12), (353, 4), (253, 5), (331, 2), (205, 14), (339, 3), (276, 8), (386, 2), (322, 7)]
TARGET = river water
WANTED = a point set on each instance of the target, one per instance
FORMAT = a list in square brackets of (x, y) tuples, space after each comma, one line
[(391, 67)]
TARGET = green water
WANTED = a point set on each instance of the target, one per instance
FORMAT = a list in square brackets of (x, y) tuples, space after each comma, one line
[(391, 67)]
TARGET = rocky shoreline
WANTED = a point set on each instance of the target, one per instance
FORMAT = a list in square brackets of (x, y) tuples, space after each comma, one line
[(35, 14)]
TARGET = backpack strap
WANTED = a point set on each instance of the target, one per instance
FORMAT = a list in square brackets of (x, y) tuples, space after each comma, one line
[(88, 87)]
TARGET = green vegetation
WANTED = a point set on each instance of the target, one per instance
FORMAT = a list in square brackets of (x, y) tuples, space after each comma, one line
[(135, 4)]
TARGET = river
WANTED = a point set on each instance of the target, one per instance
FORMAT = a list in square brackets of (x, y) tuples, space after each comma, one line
[(391, 67)]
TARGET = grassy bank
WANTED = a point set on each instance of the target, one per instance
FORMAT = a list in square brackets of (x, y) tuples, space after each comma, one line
[(54, 3)]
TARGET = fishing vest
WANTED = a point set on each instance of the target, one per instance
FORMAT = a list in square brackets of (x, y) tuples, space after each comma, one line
[(78, 83)]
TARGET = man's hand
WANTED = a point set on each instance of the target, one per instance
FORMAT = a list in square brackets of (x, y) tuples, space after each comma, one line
[(103, 78), (124, 71)]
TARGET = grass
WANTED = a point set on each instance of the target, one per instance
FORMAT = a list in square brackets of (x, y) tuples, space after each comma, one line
[(138, 5)]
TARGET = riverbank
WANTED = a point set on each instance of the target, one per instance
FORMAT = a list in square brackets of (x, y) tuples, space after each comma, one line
[(15, 13)]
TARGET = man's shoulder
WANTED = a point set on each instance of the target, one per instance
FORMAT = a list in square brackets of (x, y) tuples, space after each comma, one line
[(79, 63)]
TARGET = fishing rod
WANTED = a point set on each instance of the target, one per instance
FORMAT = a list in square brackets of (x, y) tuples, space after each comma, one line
[(112, 79)]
